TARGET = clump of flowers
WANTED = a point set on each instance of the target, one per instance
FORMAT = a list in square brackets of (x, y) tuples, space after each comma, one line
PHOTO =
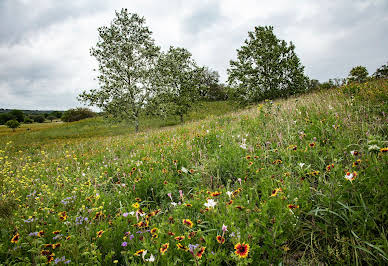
[(242, 250)]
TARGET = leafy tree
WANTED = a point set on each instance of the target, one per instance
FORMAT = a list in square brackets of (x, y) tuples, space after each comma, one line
[(180, 79), (28, 120), (38, 118), (57, 114), (77, 114), (12, 124), (51, 118), (19, 115), (212, 89), (126, 55), (4, 117), (266, 68), (381, 72), (358, 74)]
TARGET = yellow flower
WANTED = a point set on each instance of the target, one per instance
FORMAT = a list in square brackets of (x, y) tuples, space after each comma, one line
[(136, 205)]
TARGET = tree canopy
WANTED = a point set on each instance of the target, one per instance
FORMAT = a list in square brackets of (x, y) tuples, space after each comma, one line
[(266, 67), (126, 55)]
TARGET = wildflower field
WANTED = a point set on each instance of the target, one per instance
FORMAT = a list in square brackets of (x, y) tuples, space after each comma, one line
[(295, 181)]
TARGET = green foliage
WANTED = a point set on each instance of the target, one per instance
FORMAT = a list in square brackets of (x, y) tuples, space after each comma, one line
[(266, 68), (358, 74), (28, 120), (4, 117), (38, 118), (277, 172), (51, 118), (18, 115), (180, 80), (126, 55), (77, 114), (381, 72), (12, 124)]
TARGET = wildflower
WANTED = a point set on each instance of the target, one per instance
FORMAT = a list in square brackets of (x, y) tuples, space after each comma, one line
[(182, 247), (40, 233), (293, 206), (242, 250), (354, 153), (312, 145), (125, 214), (136, 205), (224, 228), (200, 252), (191, 234), (164, 248), (330, 167), (275, 192), (350, 176), (124, 244), (220, 239), (356, 163), (137, 253), (382, 150), (187, 222), (277, 162), (239, 180), (180, 238), (15, 238), (115, 261), (215, 194), (63, 216), (99, 233), (153, 230), (188, 205), (229, 193), (210, 203), (184, 170), (56, 232), (181, 194)]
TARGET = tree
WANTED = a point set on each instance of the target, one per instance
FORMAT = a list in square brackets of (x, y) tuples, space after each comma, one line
[(77, 114), (212, 89), (358, 74), (266, 68), (4, 117), (19, 115), (12, 124), (38, 118), (180, 81), (381, 72), (51, 118), (126, 55)]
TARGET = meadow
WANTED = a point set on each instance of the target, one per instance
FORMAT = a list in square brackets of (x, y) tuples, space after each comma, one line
[(301, 180)]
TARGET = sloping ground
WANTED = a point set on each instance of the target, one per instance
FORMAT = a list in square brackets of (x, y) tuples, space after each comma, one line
[(301, 180)]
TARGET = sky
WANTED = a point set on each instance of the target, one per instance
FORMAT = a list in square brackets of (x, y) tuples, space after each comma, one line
[(44, 44)]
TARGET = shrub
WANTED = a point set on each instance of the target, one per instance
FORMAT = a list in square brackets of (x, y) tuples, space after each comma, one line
[(28, 120), (77, 114), (39, 118), (12, 124)]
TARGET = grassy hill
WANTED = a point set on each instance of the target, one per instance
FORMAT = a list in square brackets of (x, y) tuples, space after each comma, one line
[(301, 180)]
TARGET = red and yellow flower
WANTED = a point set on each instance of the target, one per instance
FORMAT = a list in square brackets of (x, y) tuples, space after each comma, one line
[(220, 239), (200, 252), (164, 248), (15, 238), (242, 250), (187, 222)]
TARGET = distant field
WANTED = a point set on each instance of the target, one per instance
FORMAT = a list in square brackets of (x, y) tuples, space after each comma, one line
[(295, 181)]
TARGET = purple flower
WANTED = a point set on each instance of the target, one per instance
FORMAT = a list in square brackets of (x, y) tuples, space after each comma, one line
[(124, 244), (125, 214), (131, 237)]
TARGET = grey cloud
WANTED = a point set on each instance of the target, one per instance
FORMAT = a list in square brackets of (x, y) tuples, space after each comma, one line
[(203, 18)]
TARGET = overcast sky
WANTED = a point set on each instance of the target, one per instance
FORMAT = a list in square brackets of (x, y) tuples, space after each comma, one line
[(44, 45)]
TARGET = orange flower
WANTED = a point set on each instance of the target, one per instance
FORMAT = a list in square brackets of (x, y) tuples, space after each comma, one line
[(187, 222), (164, 248), (15, 238), (220, 239), (40, 233), (200, 252), (153, 230), (293, 206), (275, 192), (242, 250)]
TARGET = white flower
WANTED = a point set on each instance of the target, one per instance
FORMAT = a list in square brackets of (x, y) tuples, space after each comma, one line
[(349, 176), (352, 152), (301, 165), (224, 228), (210, 203), (243, 146), (150, 259), (229, 193), (184, 170), (173, 204)]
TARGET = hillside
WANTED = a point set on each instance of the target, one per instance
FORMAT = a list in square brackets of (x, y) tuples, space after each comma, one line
[(299, 180)]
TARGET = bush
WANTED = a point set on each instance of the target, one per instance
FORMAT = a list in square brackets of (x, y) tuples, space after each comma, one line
[(19, 115), (28, 120), (39, 118), (12, 124), (77, 114), (6, 117)]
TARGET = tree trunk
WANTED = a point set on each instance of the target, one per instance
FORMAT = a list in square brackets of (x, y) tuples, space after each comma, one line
[(136, 125), (181, 115)]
